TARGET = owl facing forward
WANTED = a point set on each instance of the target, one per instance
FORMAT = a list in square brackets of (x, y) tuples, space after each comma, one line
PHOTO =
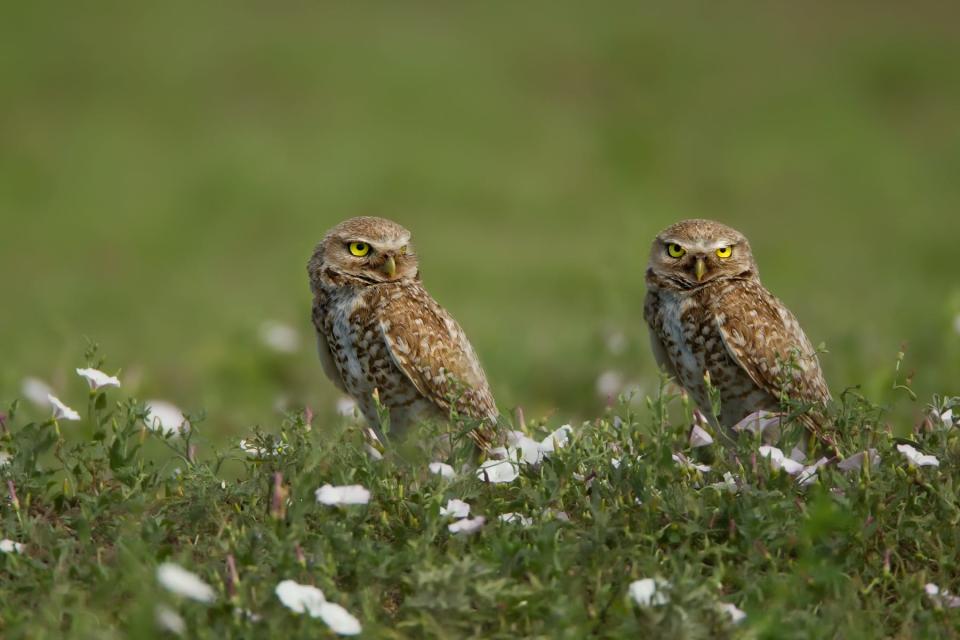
[(378, 330), (708, 313)]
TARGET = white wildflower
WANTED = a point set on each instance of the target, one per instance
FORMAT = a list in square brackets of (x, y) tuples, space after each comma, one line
[(609, 384), (941, 597), (496, 471), (467, 525), (300, 598), (36, 391), (254, 451), (9, 546), (736, 614), (178, 580), (808, 475), (615, 463), (349, 494), (687, 463), (699, 437), (62, 411), (517, 518), (98, 379), (169, 620), (280, 337), (650, 592), (779, 461), (455, 509), (442, 469), (373, 453), (5, 459), (556, 440), (339, 619), (916, 458), (855, 461), (759, 422), (947, 418), (165, 418), (529, 449), (729, 483), (346, 406)]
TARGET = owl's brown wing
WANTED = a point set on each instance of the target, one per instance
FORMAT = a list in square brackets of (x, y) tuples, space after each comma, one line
[(766, 341), (323, 348), (432, 351)]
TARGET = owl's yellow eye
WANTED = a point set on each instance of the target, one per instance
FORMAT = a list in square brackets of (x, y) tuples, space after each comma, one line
[(359, 249), (724, 252), (675, 250)]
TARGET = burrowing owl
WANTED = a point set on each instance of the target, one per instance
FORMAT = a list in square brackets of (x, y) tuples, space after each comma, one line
[(378, 329), (709, 314)]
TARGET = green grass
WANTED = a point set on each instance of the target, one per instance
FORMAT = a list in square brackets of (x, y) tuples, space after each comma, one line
[(847, 556), (165, 172)]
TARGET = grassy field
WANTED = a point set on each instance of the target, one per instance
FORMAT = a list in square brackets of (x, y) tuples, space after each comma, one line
[(165, 172)]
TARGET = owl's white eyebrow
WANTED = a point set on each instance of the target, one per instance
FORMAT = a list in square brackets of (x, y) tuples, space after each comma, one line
[(702, 245), (383, 244)]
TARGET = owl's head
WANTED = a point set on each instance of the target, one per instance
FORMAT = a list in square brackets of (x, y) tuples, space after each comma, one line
[(363, 251), (692, 253)]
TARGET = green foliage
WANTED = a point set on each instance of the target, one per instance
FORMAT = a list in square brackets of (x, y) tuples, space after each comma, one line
[(846, 556)]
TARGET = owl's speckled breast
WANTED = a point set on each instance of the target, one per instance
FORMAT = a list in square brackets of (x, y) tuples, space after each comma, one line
[(690, 335)]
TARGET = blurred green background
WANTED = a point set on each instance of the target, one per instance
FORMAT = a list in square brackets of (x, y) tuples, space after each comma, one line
[(165, 171)]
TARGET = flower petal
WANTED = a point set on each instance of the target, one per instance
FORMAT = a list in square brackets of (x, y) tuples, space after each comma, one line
[(736, 614), (497, 471), (178, 580), (300, 598), (916, 458), (442, 469), (556, 440), (649, 592), (699, 437), (349, 494), (339, 619), (467, 525), (98, 379), (165, 418), (455, 509), (62, 411)]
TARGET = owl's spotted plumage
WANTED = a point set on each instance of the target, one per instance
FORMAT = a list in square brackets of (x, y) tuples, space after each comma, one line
[(378, 329), (708, 313)]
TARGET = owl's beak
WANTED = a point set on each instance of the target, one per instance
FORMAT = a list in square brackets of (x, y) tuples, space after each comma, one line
[(700, 269), (390, 267)]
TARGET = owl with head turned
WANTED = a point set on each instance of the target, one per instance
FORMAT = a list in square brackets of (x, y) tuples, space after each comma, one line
[(713, 323), (380, 333)]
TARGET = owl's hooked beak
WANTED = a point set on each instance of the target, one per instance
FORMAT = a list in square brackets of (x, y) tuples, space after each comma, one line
[(390, 267), (700, 269)]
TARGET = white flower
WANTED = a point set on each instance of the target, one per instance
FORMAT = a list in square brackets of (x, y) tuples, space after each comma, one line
[(530, 450), (808, 475), (609, 384), (300, 598), (947, 418), (855, 461), (699, 437), (346, 406), (736, 614), (941, 597), (687, 463), (303, 598), (556, 440), (916, 458), (339, 620), (650, 592), (455, 509), (36, 391), (165, 418), (729, 483), (779, 461), (169, 620), (5, 459), (254, 451), (496, 471), (178, 580), (9, 546), (467, 525), (615, 463), (97, 379), (62, 411), (442, 469), (758, 422), (349, 494), (279, 337), (520, 519), (373, 453)]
